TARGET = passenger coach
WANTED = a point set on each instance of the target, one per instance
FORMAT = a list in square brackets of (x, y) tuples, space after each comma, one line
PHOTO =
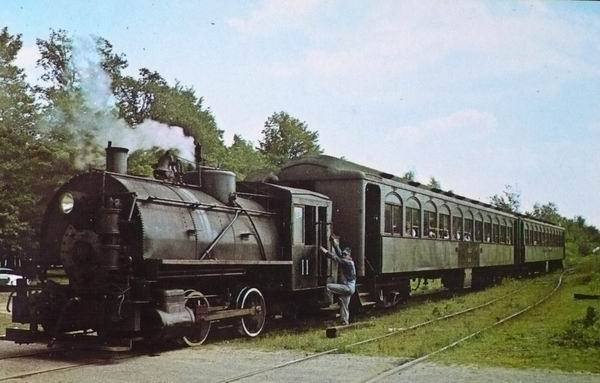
[(399, 230)]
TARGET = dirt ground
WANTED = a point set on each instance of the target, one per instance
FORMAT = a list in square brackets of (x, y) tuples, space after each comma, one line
[(214, 363)]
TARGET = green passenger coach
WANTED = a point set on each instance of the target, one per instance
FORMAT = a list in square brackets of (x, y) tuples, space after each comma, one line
[(399, 229)]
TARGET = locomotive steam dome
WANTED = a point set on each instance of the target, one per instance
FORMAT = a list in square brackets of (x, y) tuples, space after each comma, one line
[(217, 183)]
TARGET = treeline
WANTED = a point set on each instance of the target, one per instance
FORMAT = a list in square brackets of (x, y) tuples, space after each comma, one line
[(48, 126), (585, 238)]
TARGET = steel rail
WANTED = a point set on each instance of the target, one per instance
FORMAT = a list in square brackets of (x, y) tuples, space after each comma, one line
[(34, 353), (62, 368), (413, 362), (373, 339)]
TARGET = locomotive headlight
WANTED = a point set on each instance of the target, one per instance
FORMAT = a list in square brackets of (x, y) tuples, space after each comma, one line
[(66, 202)]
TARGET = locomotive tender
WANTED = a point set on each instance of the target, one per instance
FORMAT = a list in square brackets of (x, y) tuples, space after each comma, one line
[(165, 258)]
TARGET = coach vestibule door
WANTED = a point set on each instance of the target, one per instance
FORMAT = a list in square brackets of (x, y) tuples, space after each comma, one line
[(372, 229)]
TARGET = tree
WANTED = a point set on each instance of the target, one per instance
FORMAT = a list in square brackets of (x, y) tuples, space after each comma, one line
[(151, 97), (31, 164), (547, 212), (509, 200), (409, 175), (242, 158), (434, 183), (287, 138), (74, 114)]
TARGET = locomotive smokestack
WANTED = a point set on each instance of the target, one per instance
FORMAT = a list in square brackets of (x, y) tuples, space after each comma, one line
[(116, 159)]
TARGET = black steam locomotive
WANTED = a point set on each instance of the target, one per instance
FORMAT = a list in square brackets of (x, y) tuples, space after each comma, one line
[(164, 258)]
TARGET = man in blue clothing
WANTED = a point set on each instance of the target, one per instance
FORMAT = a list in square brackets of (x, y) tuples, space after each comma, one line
[(345, 289)]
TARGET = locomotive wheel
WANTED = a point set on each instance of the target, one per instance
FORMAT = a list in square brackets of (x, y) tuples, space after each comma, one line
[(252, 325), (200, 330)]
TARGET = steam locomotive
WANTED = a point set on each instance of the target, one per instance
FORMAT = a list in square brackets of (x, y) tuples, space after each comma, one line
[(165, 258)]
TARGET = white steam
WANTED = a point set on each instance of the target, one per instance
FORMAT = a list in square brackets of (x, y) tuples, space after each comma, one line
[(99, 115)]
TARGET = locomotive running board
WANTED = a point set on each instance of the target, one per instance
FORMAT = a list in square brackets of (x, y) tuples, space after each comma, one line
[(232, 262)]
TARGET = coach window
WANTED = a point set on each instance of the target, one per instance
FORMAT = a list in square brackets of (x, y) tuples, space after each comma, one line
[(298, 225), (478, 228), (468, 234), (536, 233), (430, 220), (393, 214), (503, 231), (457, 224), (526, 234), (496, 230), (487, 229), (543, 236), (413, 218), (509, 231), (444, 222)]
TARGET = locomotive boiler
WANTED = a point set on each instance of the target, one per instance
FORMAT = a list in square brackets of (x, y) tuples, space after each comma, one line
[(165, 258)]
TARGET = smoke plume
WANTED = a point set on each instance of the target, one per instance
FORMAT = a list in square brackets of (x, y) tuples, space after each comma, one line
[(97, 121)]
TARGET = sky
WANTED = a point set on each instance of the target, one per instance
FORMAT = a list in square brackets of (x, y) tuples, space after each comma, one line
[(477, 94)]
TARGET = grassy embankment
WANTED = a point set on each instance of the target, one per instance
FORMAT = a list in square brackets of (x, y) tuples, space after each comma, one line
[(537, 339)]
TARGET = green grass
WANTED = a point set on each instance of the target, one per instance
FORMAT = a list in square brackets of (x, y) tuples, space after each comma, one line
[(527, 341), (311, 337), (534, 340)]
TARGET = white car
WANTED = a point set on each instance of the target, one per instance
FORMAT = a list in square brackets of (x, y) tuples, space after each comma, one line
[(9, 277)]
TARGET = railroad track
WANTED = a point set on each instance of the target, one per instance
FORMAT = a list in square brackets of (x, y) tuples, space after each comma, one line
[(434, 296), (376, 378), (92, 361), (412, 362), (407, 365)]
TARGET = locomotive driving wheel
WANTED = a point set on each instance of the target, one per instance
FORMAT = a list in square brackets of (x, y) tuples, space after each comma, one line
[(251, 325), (196, 301)]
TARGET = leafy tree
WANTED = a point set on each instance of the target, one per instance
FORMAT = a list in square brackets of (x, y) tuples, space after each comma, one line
[(509, 200), (287, 138), (242, 158), (409, 175), (56, 61), (71, 117), (136, 96), (151, 97), (547, 212), (141, 162), (31, 164), (434, 183)]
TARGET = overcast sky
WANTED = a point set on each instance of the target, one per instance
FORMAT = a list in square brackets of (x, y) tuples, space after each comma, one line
[(477, 94)]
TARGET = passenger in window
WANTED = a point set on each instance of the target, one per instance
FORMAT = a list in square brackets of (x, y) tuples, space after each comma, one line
[(413, 233)]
